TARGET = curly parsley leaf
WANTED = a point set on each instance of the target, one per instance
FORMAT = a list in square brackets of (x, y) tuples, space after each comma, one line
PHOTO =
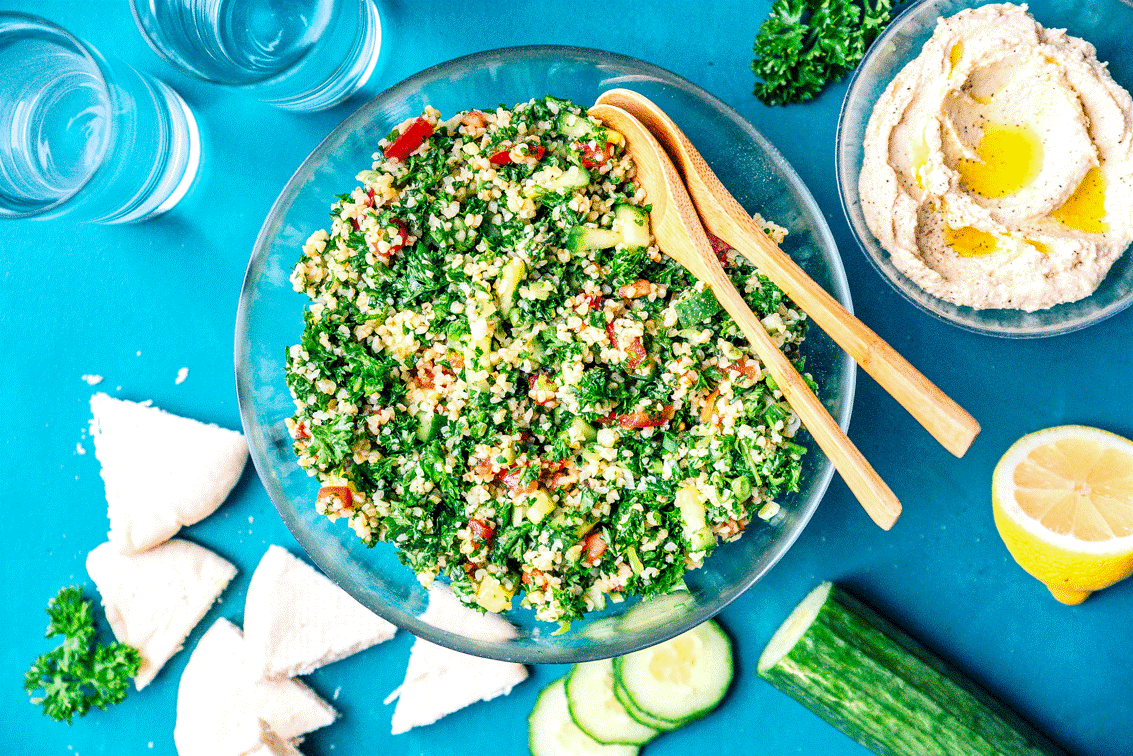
[(79, 673), (803, 45)]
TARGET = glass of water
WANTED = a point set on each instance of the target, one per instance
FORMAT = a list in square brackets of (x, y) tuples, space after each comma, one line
[(86, 135), (301, 55)]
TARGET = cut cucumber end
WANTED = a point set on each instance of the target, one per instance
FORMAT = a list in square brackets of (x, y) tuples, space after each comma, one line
[(793, 628)]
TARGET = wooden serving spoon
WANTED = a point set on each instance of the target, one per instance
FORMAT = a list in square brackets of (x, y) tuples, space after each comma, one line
[(681, 237), (723, 216)]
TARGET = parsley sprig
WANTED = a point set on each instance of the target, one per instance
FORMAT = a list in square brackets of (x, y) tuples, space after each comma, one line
[(805, 44), (80, 673)]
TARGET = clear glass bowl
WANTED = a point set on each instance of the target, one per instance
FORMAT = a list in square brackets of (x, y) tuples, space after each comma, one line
[(270, 319), (1104, 23)]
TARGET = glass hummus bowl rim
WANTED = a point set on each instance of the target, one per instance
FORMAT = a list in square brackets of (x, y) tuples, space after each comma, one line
[(898, 44)]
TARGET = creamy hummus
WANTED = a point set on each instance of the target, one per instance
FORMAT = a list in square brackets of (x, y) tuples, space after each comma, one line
[(998, 167)]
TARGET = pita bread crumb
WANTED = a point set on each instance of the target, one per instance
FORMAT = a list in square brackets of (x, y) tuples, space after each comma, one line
[(161, 471), (438, 680), (218, 704), (154, 599), (296, 619)]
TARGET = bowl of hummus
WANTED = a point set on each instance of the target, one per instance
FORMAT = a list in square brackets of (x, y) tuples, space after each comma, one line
[(985, 162)]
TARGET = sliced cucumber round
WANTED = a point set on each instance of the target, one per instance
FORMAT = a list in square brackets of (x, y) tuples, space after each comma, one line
[(679, 680), (552, 732), (635, 713), (597, 711)]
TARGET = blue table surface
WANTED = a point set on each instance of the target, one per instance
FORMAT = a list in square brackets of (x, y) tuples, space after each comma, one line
[(137, 303)]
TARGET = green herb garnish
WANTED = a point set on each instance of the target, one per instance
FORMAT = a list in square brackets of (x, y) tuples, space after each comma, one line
[(80, 673), (803, 45)]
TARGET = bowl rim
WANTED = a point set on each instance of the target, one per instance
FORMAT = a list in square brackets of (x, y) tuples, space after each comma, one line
[(414, 624), (877, 255)]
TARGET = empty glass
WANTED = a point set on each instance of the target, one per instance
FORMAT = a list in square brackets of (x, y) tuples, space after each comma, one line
[(85, 134), (301, 55)]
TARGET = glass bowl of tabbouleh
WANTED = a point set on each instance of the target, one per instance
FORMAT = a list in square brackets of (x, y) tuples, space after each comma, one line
[(461, 358)]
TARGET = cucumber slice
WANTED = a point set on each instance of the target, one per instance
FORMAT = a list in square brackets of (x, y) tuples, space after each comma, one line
[(696, 306), (511, 276), (578, 127), (552, 732), (693, 512), (636, 714), (873, 682), (597, 711), (632, 222), (430, 425), (681, 679)]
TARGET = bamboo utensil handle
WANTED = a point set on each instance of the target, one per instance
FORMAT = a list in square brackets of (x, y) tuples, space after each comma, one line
[(680, 236), (724, 217)]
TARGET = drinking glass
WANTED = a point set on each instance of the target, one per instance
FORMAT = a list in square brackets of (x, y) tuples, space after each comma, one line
[(300, 55), (84, 134)]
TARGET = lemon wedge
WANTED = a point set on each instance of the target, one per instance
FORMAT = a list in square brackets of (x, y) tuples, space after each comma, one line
[(1063, 505)]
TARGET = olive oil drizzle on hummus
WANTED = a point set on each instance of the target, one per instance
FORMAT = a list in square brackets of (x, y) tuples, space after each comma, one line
[(998, 168)]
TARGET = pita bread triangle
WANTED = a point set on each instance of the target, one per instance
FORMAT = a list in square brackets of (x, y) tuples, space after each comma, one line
[(438, 680), (154, 599), (258, 741), (217, 701), (296, 619), (161, 471)]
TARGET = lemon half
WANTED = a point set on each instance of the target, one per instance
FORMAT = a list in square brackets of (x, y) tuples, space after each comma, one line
[(1063, 505)]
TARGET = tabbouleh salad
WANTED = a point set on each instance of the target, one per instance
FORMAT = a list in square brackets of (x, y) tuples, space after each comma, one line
[(501, 375)]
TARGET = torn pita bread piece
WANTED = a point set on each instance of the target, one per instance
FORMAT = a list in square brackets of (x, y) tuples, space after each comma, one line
[(217, 703), (438, 680), (161, 471), (296, 619), (256, 739), (154, 599)]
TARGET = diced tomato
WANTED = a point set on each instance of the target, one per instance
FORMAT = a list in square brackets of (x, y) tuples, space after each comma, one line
[(511, 478), (593, 300), (638, 288), (635, 349), (474, 119), (483, 468), (503, 157), (301, 431), (592, 157), (636, 352), (402, 236), (719, 246), (342, 492), (593, 548), (424, 377), (481, 531), (746, 367), (535, 576), (413, 137), (709, 407), (642, 419)]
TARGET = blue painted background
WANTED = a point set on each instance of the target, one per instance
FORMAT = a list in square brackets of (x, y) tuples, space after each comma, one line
[(135, 304)]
